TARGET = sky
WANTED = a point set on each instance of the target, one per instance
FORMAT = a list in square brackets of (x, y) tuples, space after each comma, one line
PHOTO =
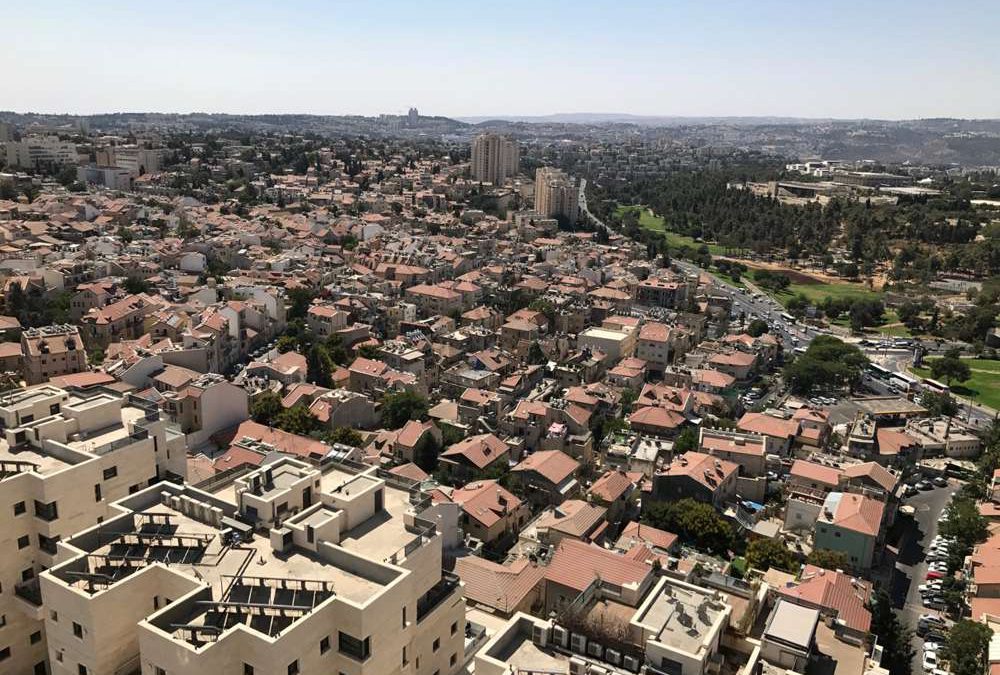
[(885, 59)]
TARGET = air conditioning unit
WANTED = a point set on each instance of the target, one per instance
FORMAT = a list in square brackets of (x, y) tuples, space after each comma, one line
[(595, 649), (631, 663), (597, 670), (560, 636), (578, 643), (540, 635), (612, 657), (577, 667)]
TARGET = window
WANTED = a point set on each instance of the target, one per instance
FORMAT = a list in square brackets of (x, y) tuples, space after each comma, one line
[(324, 645), (36, 637), (437, 644), (404, 657), (97, 492), (159, 671), (357, 649), (20, 508), (47, 544), (47, 512), (81, 669), (54, 615), (23, 542), (454, 628), (404, 616), (77, 630), (293, 667), (4, 653), (247, 669), (3, 620), (110, 473), (454, 658)]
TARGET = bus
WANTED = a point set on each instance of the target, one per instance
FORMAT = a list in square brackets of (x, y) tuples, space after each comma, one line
[(788, 317), (927, 384), (880, 372), (903, 382)]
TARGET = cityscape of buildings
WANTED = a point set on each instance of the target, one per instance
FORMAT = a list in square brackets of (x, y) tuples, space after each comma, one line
[(422, 400)]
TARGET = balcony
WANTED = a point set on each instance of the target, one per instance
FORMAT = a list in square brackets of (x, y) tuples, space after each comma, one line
[(438, 593), (29, 594)]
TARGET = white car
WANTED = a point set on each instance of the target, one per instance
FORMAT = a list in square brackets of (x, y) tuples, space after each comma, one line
[(931, 647), (930, 661)]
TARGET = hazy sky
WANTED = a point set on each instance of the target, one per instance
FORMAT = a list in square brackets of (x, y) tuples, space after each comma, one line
[(877, 58)]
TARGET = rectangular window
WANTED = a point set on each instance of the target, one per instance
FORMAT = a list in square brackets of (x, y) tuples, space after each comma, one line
[(454, 628), (437, 644), (454, 658), (77, 630), (110, 473), (81, 669), (351, 646), (4, 653), (47, 512), (159, 671), (247, 669), (97, 492), (324, 645), (293, 668), (23, 542), (20, 508)]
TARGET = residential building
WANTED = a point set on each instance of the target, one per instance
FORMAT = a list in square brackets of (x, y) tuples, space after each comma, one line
[(65, 456), (51, 351), (556, 194), (350, 581), (494, 158)]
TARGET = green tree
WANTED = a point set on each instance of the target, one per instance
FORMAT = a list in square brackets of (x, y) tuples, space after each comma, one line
[(686, 440), (950, 368), (757, 328), (828, 559), (966, 647), (136, 285), (896, 641), (828, 362), (765, 553), (939, 404), (297, 420), (319, 365), (694, 522), (400, 407), (345, 436), (266, 407), (535, 354)]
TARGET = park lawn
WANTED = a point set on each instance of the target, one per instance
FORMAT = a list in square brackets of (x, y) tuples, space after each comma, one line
[(650, 221), (818, 292), (984, 385)]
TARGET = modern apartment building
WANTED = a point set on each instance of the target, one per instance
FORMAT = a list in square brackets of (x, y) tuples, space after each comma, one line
[(290, 568), (40, 151), (65, 456), (556, 194), (494, 158)]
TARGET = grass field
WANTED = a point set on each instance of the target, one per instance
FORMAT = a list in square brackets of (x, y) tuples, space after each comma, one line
[(649, 221), (819, 291), (984, 385)]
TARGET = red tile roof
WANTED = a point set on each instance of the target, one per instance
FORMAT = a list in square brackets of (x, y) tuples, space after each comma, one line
[(553, 465), (817, 473), (833, 591), (480, 451), (502, 587), (576, 564)]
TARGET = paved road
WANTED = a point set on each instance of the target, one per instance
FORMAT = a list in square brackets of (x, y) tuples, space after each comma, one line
[(911, 568), (745, 305)]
